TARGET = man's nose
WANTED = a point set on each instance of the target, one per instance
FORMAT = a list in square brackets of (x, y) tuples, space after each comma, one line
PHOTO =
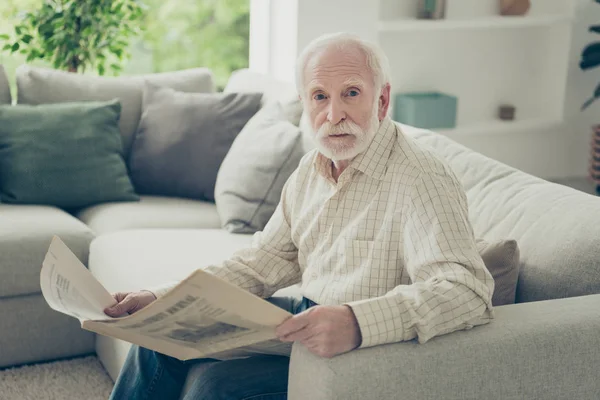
[(337, 112)]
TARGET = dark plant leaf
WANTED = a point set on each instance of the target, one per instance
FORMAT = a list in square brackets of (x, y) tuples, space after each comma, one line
[(15, 47), (595, 28), (590, 62), (592, 99), (590, 57)]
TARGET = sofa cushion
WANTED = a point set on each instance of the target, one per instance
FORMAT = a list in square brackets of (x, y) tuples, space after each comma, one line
[(183, 138), (255, 169), (67, 155), (25, 235), (501, 258), (138, 259), (33, 332), (42, 85), (273, 90), (557, 227), (150, 212), (5, 97), (142, 259)]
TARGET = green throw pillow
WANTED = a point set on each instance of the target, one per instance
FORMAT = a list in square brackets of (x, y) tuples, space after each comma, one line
[(68, 155)]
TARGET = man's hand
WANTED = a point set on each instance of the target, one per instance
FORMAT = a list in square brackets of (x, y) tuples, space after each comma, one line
[(325, 330), (129, 302)]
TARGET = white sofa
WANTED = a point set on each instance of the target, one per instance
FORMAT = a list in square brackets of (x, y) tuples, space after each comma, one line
[(546, 346)]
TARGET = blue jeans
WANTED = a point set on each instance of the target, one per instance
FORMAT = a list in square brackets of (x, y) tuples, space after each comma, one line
[(151, 375)]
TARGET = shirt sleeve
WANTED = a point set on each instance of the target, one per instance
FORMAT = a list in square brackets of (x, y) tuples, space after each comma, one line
[(269, 264), (451, 288)]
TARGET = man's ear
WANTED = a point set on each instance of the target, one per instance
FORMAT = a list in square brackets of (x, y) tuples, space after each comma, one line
[(384, 101)]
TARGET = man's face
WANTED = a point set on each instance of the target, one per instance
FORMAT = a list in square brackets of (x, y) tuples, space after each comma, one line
[(342, 103)]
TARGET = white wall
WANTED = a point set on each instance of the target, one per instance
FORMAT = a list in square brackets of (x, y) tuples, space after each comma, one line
[(292, 24)]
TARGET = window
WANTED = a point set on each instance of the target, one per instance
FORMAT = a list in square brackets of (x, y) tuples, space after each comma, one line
[(178, 34)]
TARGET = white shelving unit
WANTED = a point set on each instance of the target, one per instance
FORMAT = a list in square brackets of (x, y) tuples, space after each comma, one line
[(486, 60), (494, 22), (500, 127)]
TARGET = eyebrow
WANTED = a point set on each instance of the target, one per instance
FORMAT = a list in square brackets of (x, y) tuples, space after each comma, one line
[(353, 82)]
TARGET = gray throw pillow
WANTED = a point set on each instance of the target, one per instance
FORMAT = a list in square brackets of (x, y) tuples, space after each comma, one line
[(260, 161), (502, 259), (182, 139)]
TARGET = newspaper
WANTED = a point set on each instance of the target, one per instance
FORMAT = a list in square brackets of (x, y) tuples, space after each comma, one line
[(202, 317)]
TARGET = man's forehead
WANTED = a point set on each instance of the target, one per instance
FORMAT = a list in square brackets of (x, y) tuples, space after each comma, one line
[(336, 66), (323, 81)]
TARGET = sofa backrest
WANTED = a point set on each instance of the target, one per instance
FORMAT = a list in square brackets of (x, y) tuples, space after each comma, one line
[(244, 80), (42, 85), (557, 227), (5, 97)]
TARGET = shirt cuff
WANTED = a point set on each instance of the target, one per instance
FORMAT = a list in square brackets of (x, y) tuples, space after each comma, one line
[(379, 322), (160, 291)]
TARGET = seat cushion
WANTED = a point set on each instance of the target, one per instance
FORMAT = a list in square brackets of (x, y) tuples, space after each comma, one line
[(150, 212), (138, 259), (557, 227), (25, 235), (44, 85), (5, 97)]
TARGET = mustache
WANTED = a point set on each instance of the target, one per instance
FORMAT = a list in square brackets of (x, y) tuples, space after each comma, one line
[(349, 127)]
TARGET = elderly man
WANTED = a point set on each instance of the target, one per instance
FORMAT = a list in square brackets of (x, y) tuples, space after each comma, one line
[(373, 226)]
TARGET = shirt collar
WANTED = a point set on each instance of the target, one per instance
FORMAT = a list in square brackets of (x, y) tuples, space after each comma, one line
[(372, 161)]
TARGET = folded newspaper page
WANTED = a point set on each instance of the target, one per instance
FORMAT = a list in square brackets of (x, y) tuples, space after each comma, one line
[(203, 316)]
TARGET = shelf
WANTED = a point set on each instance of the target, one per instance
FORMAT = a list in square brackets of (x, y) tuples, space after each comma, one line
[(500, 127), (496, 22)]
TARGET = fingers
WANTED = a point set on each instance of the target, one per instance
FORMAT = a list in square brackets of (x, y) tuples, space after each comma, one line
[(303, 336), (126, 302), (119, 296), (293, 324)]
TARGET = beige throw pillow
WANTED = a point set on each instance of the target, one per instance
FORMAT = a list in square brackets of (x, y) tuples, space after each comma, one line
[(502, 260)]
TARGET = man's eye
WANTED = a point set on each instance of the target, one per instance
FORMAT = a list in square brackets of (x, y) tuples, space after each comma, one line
[(353, 93), (319, 96)]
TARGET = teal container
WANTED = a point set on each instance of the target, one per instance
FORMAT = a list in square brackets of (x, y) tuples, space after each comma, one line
[(428, 110)]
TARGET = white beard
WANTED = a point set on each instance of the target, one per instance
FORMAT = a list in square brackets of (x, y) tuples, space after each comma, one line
[(348, 147)]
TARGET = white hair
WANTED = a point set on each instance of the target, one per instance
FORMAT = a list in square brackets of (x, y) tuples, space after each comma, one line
[(377, 61)]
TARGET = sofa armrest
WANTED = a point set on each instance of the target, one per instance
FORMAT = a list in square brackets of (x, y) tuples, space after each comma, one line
[(540, 350)]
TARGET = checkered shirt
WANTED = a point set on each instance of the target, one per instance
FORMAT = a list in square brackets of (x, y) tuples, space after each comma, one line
[(391, 239)]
